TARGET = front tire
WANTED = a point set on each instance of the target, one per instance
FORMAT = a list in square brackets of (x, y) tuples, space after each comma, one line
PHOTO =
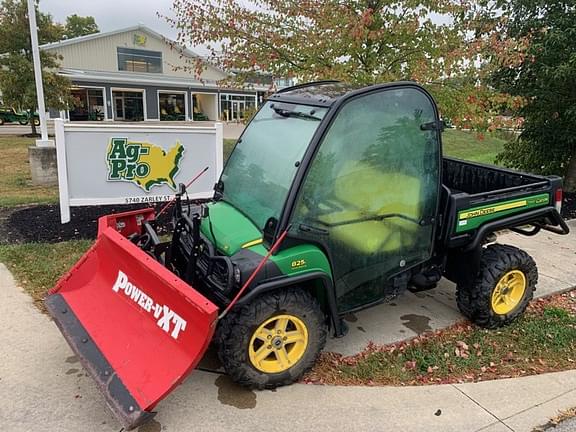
[(503, 288), (273, 340)]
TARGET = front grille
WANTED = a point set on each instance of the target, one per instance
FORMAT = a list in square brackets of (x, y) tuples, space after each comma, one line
[(219, 275), (214, 270)]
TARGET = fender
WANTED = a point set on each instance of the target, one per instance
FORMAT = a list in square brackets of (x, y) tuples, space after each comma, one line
[(326, 283), (530, 217)]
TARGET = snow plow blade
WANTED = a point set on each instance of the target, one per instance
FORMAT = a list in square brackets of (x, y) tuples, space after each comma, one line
[(137, 328)]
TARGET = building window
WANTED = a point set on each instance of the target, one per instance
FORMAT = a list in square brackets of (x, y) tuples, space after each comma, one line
[(137, 60), (87, 104), (284, 82), (172, 106), (204, 106), (236, 107)]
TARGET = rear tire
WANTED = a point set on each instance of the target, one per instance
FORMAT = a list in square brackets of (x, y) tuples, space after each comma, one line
[(503, 288), (1, 121), (23, 122), (273, 340)]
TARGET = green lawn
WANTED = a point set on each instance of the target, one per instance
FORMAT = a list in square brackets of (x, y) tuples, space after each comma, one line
[(38, 266), (228, 147), (15, 181), (467, 145), (456, 143)]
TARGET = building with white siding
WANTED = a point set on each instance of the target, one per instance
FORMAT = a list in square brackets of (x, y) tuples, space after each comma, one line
[(136, 74)]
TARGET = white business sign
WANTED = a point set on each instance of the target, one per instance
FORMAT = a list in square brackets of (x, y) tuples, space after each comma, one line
[(133, 164)]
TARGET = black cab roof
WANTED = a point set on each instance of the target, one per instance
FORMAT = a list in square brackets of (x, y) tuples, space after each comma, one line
[(323, 93)]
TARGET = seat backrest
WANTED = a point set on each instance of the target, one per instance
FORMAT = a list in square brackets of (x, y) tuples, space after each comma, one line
[(376, 192)]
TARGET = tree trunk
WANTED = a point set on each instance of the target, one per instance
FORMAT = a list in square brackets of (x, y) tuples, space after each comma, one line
[(31, 120), (570, 179)]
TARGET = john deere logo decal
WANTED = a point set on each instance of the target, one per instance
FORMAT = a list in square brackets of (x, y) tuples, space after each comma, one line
[(144, 164), (139, 40)]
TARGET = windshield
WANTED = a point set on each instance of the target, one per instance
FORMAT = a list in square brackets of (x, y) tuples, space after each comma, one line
[(260, 170)]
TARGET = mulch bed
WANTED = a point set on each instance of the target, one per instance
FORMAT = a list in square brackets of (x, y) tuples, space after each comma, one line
[(41, 223)]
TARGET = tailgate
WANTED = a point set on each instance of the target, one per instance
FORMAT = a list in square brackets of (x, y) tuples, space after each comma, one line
[(136, 327)]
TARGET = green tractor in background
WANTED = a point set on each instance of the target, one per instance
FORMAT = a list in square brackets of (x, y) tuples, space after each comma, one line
[(10, 115)]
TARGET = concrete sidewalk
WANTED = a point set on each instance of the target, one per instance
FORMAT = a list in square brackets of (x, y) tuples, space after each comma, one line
[(48, 390)]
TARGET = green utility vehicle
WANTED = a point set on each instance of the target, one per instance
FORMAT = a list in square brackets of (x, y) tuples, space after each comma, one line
[(9, 115), (371, 209), (334, 199)]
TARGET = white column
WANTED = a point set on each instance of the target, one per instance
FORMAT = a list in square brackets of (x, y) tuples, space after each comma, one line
[(219, 127), (62, 171), (44, 142)]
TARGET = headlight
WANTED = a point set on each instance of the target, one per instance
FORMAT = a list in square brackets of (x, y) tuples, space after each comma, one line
[(237, 275)]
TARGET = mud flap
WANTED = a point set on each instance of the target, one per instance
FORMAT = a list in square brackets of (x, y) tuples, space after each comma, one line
[(138, 329)]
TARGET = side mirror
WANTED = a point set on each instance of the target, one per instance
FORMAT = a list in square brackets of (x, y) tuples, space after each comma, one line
[(441, 125), (218, 190), (269, 230), (181, 189), (181, 192)]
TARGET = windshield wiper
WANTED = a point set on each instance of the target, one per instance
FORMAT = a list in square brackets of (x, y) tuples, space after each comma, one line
[(296, 114)]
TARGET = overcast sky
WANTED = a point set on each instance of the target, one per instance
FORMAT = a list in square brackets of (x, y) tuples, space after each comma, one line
[(113, 14)]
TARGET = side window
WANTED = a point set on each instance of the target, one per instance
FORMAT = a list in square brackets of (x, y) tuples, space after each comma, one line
[(372, 189)]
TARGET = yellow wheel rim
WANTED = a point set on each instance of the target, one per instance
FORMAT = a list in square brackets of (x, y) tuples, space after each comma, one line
[(508, 292), (278, 344)]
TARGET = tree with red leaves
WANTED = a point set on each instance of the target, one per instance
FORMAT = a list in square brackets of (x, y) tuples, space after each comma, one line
[(434, 42)]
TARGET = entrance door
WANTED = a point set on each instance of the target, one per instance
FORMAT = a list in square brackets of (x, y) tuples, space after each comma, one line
[(238, 108), (370, 195), (128, 105), (119, 107)]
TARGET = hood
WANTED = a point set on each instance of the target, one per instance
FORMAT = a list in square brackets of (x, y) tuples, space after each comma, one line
[(231, 228)]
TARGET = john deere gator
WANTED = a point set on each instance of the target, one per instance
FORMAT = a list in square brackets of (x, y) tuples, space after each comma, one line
[(335, 199)]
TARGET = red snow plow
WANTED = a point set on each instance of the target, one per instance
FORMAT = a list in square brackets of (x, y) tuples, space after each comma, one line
[(137, 327)]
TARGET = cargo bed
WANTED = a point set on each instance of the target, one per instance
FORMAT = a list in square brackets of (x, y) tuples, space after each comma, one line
[(480, 199), (479, 179)]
